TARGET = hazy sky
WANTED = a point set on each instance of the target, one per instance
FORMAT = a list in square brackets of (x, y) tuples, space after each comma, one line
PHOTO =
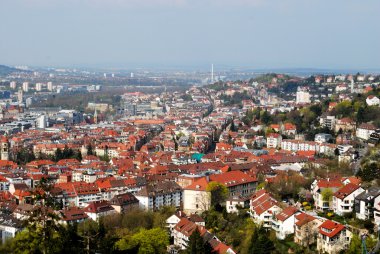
[(239, 33)]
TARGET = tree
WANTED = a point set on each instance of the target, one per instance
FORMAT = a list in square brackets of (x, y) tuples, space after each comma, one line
[(90, 150), (42, 233), (327, 194), (260, 242), (218, 192), (145, 242), (197, 245)]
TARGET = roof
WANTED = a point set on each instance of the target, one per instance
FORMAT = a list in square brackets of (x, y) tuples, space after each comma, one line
[(286, 213), (330, 228), (232, 178), (346, 190), (198, 185), (98, 207), (303, 218), (73, 214)]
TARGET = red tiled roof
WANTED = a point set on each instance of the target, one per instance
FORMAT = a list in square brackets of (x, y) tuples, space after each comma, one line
[(286, 213), (346, 190), (330, 228)]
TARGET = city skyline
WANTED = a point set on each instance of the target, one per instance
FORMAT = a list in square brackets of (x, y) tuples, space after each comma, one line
[(169, 33)]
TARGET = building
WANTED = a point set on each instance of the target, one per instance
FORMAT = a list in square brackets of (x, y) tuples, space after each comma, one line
[(38, 87), (9, 226), (365, 203), (306, 229), (344, 198), (50, 86), (274, 140), (13, 84), (345, 124), (322, 138), (97, 209), (365, 130), (157, 195), (4, 143), (333, 237), (317, 189), (25, 87), (327, 121), (302, 96), (124, 202), (372, 100), (196, 198), (234, 203), (263, 207), (284, 221)]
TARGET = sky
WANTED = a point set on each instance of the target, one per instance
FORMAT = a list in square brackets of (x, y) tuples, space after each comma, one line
[(329, 34)]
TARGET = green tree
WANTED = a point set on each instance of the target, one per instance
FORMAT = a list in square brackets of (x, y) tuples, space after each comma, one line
[(260, 242), (42, 233), (327, 194), (197, 245), (219, 193), (149, 241), (90, 150)]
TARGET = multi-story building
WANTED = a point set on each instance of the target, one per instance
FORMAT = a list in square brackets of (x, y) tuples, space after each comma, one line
[(274, 140), (344, 198), (306, 229), (303, 96), (365, 203), (365, 130), (155, 196), (333, 237)]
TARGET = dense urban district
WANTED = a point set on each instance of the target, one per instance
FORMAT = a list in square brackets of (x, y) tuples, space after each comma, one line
[(271, 164)]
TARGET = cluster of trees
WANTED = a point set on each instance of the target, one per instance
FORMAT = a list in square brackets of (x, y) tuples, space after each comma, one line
[(23, 156), (235, 99), (370, 166), (134, 232)]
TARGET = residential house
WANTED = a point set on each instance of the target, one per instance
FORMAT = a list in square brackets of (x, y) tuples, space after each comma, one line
[(372, 100), (124, 202), (318, 187), (9, 226), (274, 140), (97, 209), (365, 203), (306, 229), (156, 195), (283, 222), (345, 124), (344, 198), (235, 202), (196, 198), (365, 130), (333, 237), (263, 207)]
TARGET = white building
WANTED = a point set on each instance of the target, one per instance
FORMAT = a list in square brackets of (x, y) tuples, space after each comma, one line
[(153, 197), (302, 96), (25, 86), (344, 198), (274, 140), (365, 130), (333, 237), (283, 222), (372, 100), (263, 207), (196, 199), (13, 85), (38, 86), (9, 226), (50, 86)]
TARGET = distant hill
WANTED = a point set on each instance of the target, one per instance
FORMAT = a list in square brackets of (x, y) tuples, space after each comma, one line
[(5, 70)]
